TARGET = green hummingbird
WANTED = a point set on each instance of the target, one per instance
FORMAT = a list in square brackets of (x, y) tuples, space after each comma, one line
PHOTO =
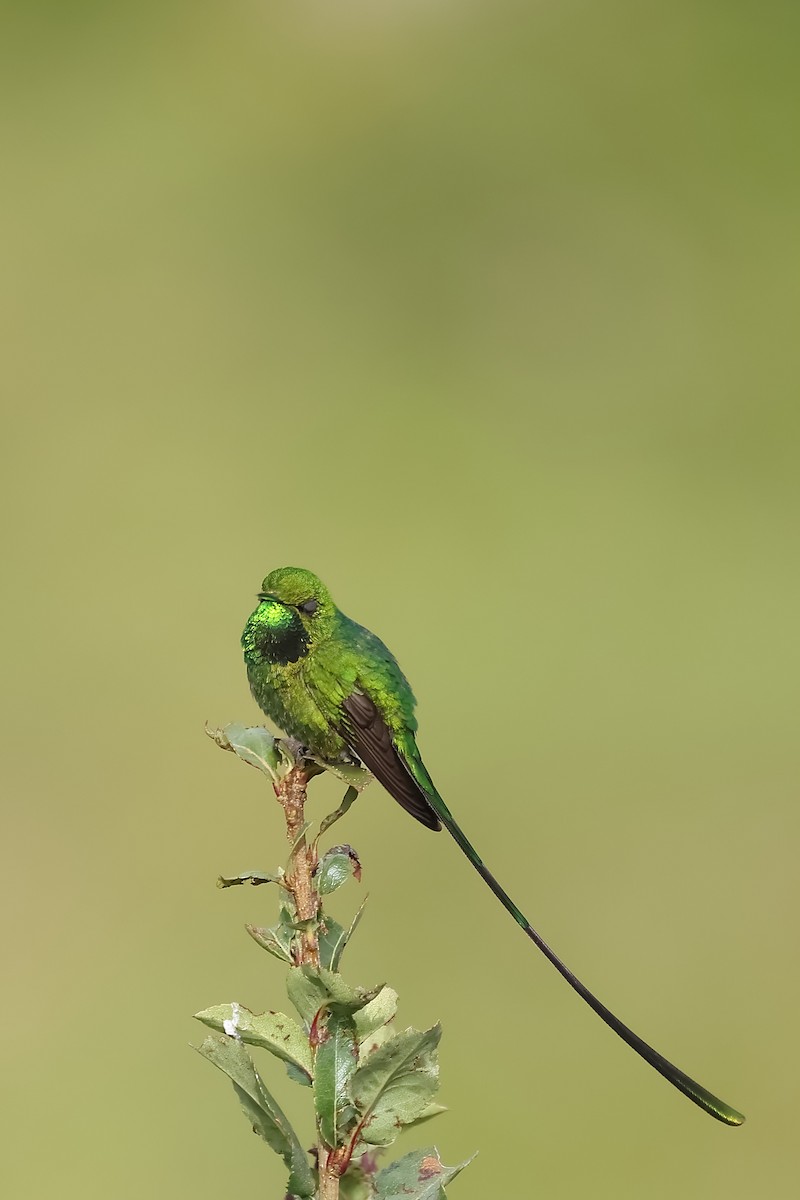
[(335, 687)]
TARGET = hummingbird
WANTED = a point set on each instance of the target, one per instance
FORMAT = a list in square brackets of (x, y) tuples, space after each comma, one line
[(338, 690)]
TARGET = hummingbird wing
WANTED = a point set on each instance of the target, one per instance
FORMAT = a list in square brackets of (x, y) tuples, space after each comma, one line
[(369, 737)]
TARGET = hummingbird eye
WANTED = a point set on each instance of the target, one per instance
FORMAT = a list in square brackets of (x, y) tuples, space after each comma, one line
[(309, 606)]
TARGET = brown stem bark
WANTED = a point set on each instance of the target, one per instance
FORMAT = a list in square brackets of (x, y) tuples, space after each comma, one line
[(328, 1179), (299, 880)]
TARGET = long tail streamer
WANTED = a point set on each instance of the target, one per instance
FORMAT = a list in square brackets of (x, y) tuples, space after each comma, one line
[(699, 1095)]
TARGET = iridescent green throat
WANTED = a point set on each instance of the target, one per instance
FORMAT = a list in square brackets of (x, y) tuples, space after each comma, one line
[(274, 634)]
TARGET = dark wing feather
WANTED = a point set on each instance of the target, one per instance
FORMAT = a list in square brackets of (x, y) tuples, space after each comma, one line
[(368, 736)]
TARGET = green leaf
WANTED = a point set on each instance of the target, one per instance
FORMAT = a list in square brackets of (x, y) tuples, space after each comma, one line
[(263, 1112), (335, 868), (420, 1175), (279, 940), (396, 1083), (333, 938), (289, 753), (299, 838), (272, 940), (334, 871), (356, 1184), (254, 877), (370, 1044), (355, 777), (254, 745), (380, 1011), (427, 1114), (334, 1064), (350, 797), (296, 1075), (276, 1032), (310, 990)]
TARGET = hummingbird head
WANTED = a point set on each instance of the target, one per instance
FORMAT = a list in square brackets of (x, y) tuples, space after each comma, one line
[(298, 589), (294, 611)]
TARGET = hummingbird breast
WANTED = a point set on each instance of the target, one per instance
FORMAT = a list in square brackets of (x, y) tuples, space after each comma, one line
[(282, 693)]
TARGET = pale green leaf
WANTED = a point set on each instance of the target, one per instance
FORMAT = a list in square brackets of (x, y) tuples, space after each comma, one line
[(262, 1110), (335, 868), (427, 1114), (310, 990), (274, 1031), (420, 1175), (349, 773), (380, 1011), (396, 1083), (278, 940), (254, 745), (274, 940), (370, 1044), (350, 797)]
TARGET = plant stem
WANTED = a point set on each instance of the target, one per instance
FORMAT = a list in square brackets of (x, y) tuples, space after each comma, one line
[(328, 1179), (299, 880)]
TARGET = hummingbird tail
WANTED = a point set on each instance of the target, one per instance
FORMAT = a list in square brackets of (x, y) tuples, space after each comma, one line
[(699, 1095), (396, 761)]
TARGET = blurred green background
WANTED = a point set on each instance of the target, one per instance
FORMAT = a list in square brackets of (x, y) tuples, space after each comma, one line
[(487, 314)]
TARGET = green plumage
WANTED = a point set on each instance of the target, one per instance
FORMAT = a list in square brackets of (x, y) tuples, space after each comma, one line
[(305, 696), (337, 689)]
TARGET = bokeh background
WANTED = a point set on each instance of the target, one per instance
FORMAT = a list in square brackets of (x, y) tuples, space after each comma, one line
[(488, 314)]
